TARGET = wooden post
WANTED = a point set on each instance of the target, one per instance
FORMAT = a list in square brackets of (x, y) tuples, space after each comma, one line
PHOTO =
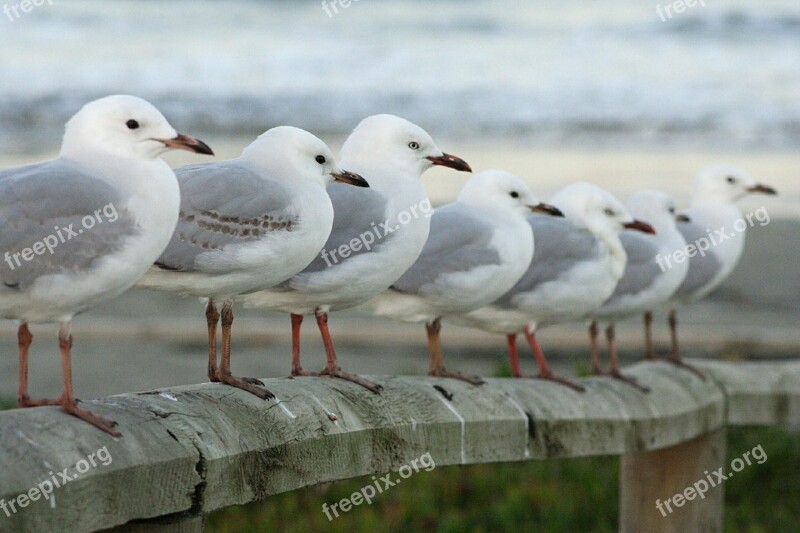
[(660, 491)]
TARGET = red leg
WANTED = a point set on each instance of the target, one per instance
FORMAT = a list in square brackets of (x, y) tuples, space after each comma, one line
[(250, 385), (437, 359), (332, 367), (596, 369), (297, 369), (512, 353), (67, 401), (649, 352), (25, 339), (612, 353), (212, 319), (675, 354), (544, 369)]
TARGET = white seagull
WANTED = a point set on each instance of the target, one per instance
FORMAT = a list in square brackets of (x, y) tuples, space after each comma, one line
[(82, 228), (478, 247), (377, 233), (248, 224), (576, 264), (645, 285), (716, 236)]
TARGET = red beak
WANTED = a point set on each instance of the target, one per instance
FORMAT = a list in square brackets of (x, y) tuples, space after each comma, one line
[(638, 225), (447, 160), (186, 142)]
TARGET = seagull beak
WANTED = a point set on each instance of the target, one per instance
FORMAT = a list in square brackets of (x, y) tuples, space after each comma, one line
[(680, 217), (188, 143), (764, 189), (546, 209), (350, 177), (638, 225), (447, 160)]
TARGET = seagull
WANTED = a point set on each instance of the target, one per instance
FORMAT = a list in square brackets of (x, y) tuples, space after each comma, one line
[(82, 228), (716, 236), (478, 247), (576, 264), (377, 233), (247, 224), (644, 285)]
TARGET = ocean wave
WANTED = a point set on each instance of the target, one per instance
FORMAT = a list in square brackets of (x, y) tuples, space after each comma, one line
[(551, 73)]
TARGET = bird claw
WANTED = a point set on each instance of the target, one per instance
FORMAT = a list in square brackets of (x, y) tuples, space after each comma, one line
[(444, 373), (561, 381), (677, 360), (25, 401), (299, 372), (99, 422), (337, 372), (616, 374), (245, 385)]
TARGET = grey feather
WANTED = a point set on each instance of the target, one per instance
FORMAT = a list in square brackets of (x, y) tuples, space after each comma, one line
[(41, 203), (558, 246), (356, 212), (701, 269), (641, 269), (224, 204), (458, 242)]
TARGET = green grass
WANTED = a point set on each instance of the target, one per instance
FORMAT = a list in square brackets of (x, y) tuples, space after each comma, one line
[(563, 495), (7, 403)]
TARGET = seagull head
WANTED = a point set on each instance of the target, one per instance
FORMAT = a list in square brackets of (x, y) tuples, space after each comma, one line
[(288, 152), (500, 190), (725, 184), (126, 126), (588, 206), (657, 208), (391, 141)]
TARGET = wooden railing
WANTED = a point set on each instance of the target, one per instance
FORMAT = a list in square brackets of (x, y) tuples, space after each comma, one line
[(188, 451)]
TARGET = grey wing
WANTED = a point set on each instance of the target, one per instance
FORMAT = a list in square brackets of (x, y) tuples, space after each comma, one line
[(558, 246), (357, 212), (58, 218), (224, 204), (701, 269), (458, 242), (641, 268)]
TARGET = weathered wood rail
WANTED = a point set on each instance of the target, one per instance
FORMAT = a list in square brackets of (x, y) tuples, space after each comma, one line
[(191, 450)]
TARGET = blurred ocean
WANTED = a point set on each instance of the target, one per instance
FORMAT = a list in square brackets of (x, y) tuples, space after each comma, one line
[(569, 73)]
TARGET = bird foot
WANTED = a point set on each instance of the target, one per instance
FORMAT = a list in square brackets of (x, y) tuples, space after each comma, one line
[(99, 422), (358, 380), (246, 384), (677, 360), (616, 374), (253, 381), (299, 372), (549, 376), (25, 401), (444, 373)]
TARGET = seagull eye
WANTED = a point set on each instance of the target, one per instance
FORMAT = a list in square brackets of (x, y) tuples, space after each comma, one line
[(514, 194), (730, 179), (609, 212), (132, 124), (414, 145), (320, 159), (671, 210)]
